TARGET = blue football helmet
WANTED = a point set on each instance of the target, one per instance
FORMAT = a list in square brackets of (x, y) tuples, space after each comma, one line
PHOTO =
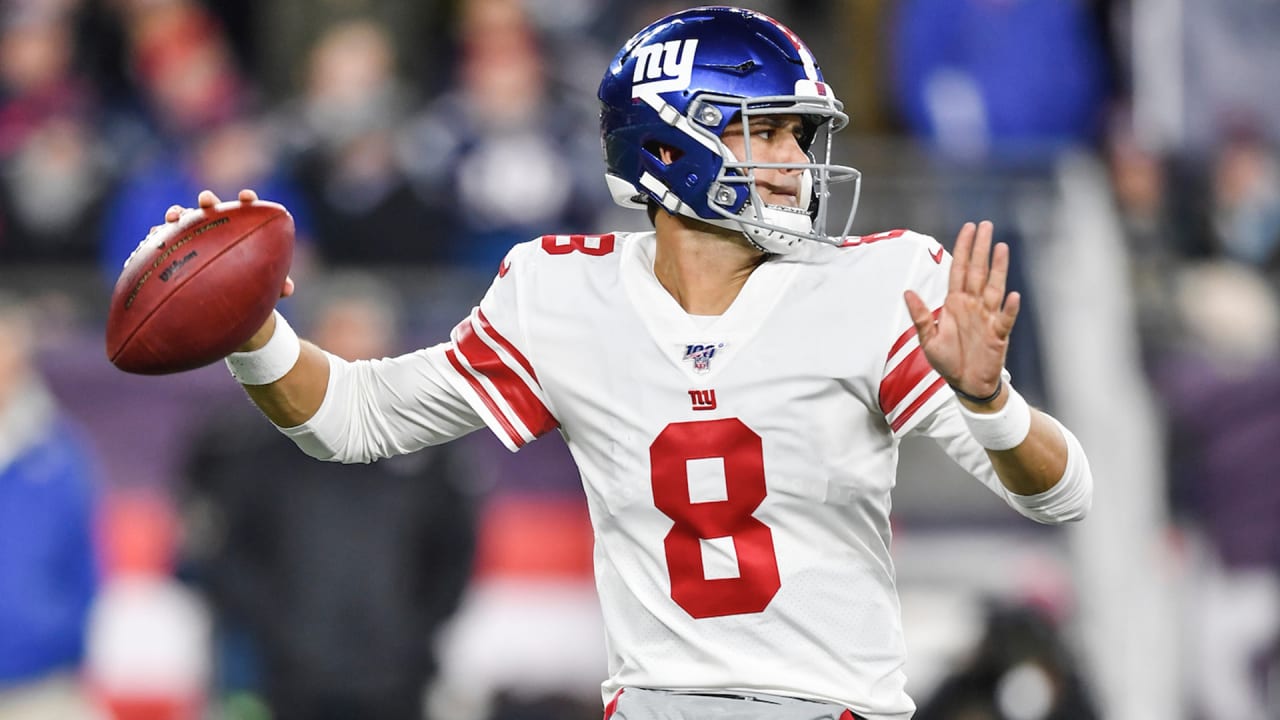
[(679, 83)]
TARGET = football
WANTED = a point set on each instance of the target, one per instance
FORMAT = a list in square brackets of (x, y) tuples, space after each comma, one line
[(196, 289)]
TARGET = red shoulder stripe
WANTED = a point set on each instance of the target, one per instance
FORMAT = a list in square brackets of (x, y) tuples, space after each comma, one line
[(899, 383), (486, 361), (915, 405), (486, 399), (506, 345)]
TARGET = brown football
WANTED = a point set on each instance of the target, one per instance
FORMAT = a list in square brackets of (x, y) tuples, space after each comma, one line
[(198, 288)]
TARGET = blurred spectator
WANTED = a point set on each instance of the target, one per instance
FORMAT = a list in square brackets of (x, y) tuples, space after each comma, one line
[(503, 157), (277, 37), (1143, 186), (533, 594), (997, 76), (37, 80), (1229, 56), (183, 66), (54, 170), (1220, 384), (1020, 670), (148, 644), (224, 159), (1246, 199), (338, 576), (203, 136), (47, 555), (52, 193), (339, 140)]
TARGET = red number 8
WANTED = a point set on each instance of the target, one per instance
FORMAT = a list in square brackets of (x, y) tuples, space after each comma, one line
[(743, 456), (598, 245)]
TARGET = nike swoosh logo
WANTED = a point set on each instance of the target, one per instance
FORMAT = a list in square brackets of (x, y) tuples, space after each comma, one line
[(504, 267), (937, 256)]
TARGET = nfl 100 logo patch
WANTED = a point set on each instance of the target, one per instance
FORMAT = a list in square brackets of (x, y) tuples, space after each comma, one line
[(700, 355)]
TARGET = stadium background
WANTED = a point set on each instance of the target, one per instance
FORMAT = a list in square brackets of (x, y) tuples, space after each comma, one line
[(1127, 149)]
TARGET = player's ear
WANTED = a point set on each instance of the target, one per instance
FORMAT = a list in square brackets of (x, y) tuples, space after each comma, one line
[(665, 153)]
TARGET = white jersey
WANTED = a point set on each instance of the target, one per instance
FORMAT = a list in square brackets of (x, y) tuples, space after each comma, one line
[(738, 469)]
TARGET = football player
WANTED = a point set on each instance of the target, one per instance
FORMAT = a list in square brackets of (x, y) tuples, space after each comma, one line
[(733, 385)]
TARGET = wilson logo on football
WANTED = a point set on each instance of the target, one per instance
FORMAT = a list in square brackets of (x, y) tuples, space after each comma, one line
[(663, 67)]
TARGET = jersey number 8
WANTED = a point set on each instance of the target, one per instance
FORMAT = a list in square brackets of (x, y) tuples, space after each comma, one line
[(741, 451)]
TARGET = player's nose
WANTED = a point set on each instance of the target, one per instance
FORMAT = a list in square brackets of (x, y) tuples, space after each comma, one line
[(791, 152)]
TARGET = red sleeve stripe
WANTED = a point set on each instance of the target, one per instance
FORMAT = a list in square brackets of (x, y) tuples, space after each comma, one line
[(519, 393), (904, 378), (506, 344), (612, 707), (911, 409), (486, 399)]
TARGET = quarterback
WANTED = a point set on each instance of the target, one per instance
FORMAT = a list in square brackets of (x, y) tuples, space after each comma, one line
[(733, 385)]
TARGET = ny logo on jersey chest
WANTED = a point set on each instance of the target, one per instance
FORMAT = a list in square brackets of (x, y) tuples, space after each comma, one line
[(703, 399)]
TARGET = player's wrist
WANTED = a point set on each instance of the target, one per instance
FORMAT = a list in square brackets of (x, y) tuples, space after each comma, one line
[(264, 361), (982, 403), (262, 336), (1003, 429)]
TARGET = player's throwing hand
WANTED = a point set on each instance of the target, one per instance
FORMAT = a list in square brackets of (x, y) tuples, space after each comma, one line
[(968, 341)]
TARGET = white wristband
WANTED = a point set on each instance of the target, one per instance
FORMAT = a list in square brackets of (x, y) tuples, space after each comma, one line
[(1001, 430), (270, 362)]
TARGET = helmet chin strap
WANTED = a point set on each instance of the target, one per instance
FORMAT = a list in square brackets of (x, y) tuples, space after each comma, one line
[(788, 227)]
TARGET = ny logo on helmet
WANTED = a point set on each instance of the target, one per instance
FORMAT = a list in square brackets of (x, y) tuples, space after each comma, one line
[(663, 67)]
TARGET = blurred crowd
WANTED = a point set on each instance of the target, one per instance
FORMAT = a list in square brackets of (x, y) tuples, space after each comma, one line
[(164, 554)]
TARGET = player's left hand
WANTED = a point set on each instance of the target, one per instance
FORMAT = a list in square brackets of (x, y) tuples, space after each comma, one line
[(968, 341)]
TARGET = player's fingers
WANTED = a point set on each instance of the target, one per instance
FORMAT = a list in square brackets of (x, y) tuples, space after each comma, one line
[(288, 288), (993, 295), (920, 316), (207, 199), (173, 213), (960, 257), (1009, 316), (248, 196), (979, 259)]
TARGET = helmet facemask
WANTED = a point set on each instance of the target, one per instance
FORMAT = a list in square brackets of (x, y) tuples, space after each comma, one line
[(737, 201), (733, 199)]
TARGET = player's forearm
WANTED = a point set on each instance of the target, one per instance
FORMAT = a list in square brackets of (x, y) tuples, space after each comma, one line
[(1035, 465), (1037, 461), (284, 376), (374, 409), (293, 399)]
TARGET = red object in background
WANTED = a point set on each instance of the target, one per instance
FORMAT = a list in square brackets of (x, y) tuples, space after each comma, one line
[(152, 708), (198, 288), (146, 656), (138, 532), (535, 537)]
